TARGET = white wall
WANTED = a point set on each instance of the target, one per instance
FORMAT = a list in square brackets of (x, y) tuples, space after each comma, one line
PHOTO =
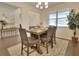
[(62, 32), (26, 13), (7, 13)]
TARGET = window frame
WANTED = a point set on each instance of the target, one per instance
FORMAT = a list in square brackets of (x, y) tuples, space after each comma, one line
[(56, 12)]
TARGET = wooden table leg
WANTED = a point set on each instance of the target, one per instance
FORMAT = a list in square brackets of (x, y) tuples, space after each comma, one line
[(38, 46), (38, 49)]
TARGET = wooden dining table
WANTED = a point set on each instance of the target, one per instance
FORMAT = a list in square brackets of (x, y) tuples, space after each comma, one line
[(38, 32)]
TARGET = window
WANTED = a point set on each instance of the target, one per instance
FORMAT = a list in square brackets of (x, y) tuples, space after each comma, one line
[(52, 19), (62, 18), (59, 18)]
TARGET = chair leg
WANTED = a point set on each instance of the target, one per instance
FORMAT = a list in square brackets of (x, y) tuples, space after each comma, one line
[(47, 47), (27, 51), (22, 49), (54, 39), (51, 42)]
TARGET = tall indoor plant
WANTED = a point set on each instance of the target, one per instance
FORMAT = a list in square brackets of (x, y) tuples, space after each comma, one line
[(73, 22)]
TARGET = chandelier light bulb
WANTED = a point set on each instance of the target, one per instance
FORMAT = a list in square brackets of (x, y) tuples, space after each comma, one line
[(46, 6), (46, 3), (41, 7), (37, 6)]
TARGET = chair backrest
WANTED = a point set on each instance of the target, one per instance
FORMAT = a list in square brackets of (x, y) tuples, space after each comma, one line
[(54, 29), (23, 35), (51, 31)]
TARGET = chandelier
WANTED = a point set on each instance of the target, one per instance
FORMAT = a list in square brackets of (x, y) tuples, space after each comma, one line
[(42, 5)]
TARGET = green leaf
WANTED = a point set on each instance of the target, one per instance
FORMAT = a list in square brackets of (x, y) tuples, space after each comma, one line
[(72, 25), (3, 22), (73, 19)]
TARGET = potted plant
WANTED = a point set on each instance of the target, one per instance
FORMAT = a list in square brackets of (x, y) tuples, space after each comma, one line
[(73, 22), (3, 23)]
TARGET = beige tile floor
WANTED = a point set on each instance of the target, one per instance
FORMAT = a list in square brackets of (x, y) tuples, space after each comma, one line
[(6, 45)]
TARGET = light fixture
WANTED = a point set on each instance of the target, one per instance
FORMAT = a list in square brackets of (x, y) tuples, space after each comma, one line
[(46, 6), (46, 3), (37, 6), (42, 5)]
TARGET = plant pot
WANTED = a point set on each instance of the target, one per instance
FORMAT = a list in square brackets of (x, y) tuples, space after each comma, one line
[(74, 39)]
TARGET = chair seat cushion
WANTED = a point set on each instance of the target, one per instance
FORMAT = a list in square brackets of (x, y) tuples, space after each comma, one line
[(31, 42), (44, 39)]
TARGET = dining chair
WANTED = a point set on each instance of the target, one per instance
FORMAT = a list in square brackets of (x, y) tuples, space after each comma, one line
[(49, 37), (45, 39), (54, 34), (27, 42)]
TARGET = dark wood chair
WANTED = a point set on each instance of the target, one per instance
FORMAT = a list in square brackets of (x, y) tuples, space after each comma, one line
[(46, 38), (27, 42), (54, 33), (49, 37)]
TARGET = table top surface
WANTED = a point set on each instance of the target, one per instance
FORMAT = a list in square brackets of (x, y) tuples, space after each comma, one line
[(38, 31)]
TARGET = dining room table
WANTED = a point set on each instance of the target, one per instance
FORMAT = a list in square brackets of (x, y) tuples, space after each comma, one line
[(38, 32)]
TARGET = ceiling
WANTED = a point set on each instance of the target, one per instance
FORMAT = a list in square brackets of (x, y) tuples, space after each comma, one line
[(3, 4), (50, 4)]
